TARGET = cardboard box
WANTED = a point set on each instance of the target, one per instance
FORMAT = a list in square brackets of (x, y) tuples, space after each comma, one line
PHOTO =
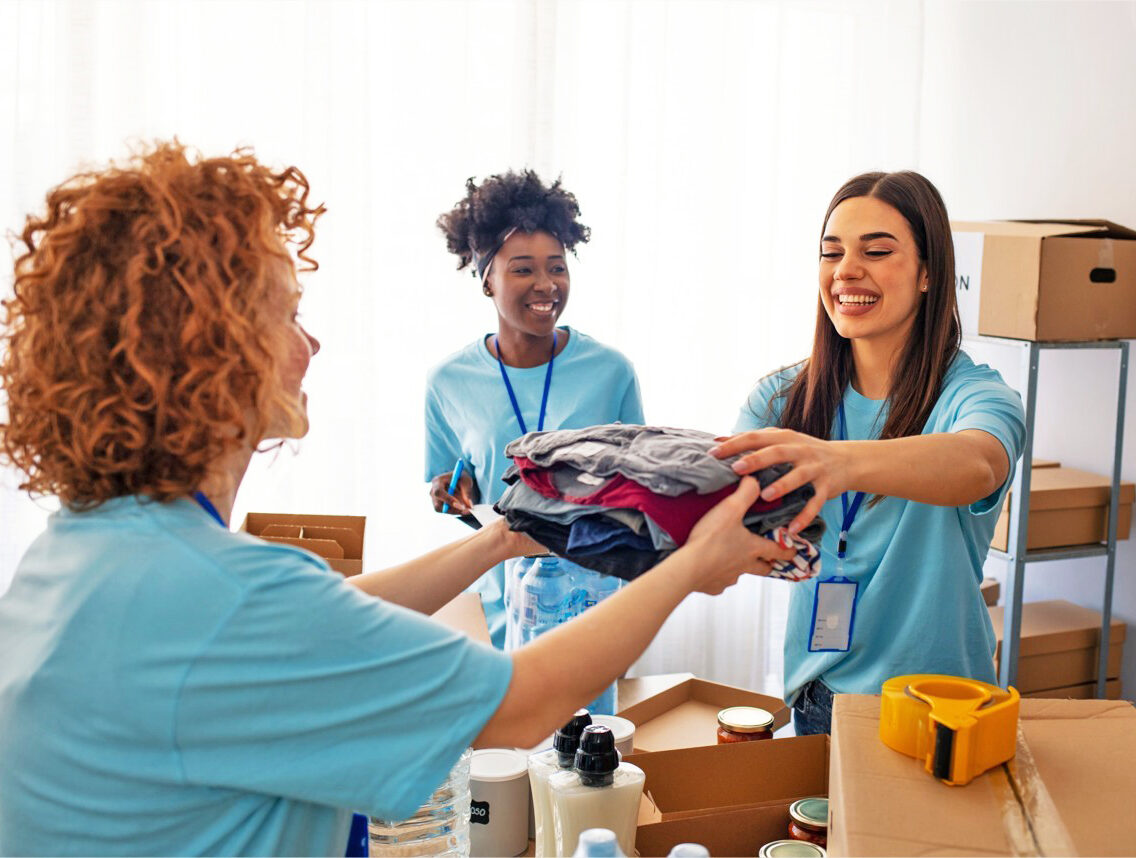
[(730, 798), (991, 590), (686, 715), (1084, 691), (1075, 771), (1065, 280), (336, 538), (1067, 507), (1059, 645)]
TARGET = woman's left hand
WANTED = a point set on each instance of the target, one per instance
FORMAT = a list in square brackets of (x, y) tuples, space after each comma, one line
[(822, 463)]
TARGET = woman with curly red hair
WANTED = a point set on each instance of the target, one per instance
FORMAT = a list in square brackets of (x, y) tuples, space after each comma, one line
[(170, 687)]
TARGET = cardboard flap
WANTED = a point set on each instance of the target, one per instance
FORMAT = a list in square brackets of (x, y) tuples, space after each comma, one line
[(1056, 625), (350, 540), (329, 549), (1094, 227), (1086, 228), (1064, 488), (292, 530)]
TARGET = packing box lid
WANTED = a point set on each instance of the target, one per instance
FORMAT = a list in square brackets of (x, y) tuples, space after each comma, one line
[(1062, 488), (686, 715), (1086, 227), (1077, 775), (1056, 626)]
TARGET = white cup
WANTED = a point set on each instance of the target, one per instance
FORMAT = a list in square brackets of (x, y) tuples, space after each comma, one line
[(622, 730), (499, 802)]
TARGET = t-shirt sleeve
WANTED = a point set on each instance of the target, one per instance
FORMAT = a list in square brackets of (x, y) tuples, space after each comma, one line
[(443, 448), (315, 691), (994, 407), (759, 409), (631, 409)]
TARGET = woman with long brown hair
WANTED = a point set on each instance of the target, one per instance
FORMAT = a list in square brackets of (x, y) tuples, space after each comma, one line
[(910, 447)]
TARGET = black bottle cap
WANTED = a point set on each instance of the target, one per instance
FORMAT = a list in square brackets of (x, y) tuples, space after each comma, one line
[(597, 759), (566, 740)]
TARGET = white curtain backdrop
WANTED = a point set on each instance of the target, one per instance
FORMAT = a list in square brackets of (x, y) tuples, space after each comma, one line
[(703, 139)]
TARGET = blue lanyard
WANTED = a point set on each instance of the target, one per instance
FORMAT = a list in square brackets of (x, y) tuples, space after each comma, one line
[(207, 505), (513, 396), (850, 510)]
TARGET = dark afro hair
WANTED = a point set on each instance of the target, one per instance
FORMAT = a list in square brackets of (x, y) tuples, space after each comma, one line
[(500, 203)]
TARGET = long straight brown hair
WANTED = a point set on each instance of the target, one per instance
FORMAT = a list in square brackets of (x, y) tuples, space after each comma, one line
[(812, 397)]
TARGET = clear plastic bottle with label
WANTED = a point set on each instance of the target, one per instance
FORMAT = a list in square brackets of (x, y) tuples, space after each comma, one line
[(600, 792), (542, 766), (546, 598), (440, 827), (515, 570)]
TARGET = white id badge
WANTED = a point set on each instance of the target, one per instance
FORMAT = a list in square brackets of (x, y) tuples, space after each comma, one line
[(834, 613)]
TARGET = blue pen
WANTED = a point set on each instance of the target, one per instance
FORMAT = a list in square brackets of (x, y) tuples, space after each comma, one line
[(454, 482)]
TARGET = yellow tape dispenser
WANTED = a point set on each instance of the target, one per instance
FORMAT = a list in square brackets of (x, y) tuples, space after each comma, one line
[(959, 727)]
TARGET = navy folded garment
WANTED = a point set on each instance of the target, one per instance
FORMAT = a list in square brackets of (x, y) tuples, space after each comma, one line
[(595, 534)]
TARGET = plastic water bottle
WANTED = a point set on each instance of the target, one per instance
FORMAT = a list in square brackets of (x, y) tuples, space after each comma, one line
[(440, 827), (515, 570), (546, 598), (598, 843), (689, 850), (598, 587)]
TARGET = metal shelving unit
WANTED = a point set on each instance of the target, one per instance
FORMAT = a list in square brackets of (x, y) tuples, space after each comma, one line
[(1017, 556)]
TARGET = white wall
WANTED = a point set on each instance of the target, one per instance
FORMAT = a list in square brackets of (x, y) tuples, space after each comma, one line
[(1029, 111)]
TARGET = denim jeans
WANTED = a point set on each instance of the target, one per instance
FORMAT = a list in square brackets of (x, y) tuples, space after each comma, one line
[(812, 711)]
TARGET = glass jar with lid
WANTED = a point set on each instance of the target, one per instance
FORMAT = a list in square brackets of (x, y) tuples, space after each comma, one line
[(808, 820), (791, 849), (744, 724)]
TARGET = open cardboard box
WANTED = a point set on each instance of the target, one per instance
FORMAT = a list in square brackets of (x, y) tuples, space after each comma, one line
[(730, 798), (1069, 790), (1058, 280), (1059, 645), (338, 539), (1067, 507), (686, 715)]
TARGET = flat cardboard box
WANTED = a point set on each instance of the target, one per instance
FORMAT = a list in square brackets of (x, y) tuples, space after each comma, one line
[(1084, 691), (338, 539), (686, 715), (1059, 644), (1065, 280), (1067, 507), (730, 798), (1075, 767)]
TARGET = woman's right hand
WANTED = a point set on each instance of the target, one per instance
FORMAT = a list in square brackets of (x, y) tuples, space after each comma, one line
[(463, 499), (724, 549)]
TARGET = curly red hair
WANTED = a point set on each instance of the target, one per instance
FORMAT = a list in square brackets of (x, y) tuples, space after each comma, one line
[(136, 352)]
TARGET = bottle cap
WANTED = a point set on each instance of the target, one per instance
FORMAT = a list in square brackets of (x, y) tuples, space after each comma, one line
[(791, 849), (598, 843), (566, 740), (745, 719), (810, 811), (597, 758)]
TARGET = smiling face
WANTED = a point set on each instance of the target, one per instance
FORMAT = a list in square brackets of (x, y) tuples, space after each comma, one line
[(528, 281), (871, 276)]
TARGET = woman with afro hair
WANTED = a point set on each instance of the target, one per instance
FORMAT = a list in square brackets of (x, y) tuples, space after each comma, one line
[(514, 233)]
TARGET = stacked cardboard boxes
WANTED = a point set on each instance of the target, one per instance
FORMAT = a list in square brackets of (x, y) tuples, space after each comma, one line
[(1059, 650)]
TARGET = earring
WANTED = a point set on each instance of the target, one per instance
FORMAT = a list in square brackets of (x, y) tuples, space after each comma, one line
[(923, 288), (489, 292)]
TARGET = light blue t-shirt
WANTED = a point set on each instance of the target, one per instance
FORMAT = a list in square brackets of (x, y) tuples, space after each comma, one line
[(168, 687), (468, 415), (918, 609)]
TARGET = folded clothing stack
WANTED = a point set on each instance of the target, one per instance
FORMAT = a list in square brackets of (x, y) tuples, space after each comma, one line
[(618, 498)]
